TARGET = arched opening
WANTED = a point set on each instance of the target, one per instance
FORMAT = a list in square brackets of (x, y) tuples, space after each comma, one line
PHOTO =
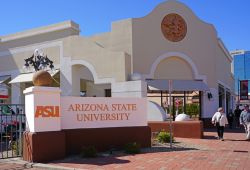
[(176, 76), (83, 83), (174, 68)]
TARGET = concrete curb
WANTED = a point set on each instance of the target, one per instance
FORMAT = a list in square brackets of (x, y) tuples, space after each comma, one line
[(51, 167), (35, 165)]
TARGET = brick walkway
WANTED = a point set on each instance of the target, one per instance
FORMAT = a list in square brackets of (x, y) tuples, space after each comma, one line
[(208, 153)]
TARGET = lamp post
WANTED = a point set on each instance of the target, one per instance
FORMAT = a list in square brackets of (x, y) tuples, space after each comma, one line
[(39, 61)]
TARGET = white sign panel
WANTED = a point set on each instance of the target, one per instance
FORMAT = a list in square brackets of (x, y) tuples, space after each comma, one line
[(100, 112)]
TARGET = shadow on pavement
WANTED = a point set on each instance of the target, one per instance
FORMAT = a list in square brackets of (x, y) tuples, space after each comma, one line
[(235, 140), (234, 130), (209, 137), (167, 149), (119, 157), (99, 161)]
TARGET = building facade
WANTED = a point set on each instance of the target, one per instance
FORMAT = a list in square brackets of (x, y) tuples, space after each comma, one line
[(170, 50), (241, 70)]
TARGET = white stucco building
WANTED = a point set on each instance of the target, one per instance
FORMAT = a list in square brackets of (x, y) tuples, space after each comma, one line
[(136, 58)]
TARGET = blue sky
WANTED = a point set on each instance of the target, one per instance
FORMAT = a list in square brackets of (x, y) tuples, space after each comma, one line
[(231, 18)]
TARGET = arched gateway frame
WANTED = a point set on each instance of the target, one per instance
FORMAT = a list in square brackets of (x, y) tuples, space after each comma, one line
[(84, 80), (186, 94)]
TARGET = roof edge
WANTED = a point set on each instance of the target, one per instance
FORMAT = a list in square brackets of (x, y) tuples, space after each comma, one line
[(224, 49), (42, 30)]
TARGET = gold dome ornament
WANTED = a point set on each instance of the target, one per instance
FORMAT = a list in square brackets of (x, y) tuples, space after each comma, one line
[(42, 78)]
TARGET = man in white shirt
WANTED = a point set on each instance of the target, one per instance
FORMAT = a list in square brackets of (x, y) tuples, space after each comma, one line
[(245, 120), (219, 119)]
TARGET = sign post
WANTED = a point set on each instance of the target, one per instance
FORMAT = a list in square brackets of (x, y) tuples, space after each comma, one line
[(170, 88)]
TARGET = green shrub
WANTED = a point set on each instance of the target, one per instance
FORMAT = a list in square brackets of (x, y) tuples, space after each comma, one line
[(15, 147), (132, 148), (164, 137), (192, 109), (89, 152)]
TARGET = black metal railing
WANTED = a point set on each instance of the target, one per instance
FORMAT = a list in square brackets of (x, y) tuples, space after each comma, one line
[(12, 119)]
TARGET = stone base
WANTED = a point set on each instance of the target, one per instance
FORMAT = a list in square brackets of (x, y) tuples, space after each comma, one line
[(183, 129), (106, 138), (49, 146), (43, 146)]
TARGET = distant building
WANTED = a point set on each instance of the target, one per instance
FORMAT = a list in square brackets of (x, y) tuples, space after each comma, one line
[(241, 69)]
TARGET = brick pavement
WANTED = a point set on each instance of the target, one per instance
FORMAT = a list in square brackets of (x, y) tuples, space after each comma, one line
[(208, 153)]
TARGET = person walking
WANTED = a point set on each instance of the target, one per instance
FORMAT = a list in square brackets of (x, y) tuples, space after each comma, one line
[(230, 118), (219, 119), (245, 120), (237, 113)]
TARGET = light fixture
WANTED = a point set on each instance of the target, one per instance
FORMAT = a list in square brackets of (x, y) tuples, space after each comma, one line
[(209, 95), (39, 61)]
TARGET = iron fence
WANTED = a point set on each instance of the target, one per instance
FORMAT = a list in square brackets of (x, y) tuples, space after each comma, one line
[(12, 119)]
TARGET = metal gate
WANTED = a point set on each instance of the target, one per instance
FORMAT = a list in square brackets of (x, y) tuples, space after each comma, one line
[(12, 118)]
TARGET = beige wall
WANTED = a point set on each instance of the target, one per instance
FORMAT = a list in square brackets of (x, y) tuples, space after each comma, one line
[(223, 69), (103, 39), (107, 64), (119, 39)]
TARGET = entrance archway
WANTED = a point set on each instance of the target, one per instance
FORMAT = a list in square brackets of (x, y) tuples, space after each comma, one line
[(177, 66), (83, 83)]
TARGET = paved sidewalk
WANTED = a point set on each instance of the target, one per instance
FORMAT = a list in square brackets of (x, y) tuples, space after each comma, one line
[(208, 153)]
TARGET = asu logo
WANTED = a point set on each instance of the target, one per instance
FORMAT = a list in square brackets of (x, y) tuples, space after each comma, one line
[(47, 111)]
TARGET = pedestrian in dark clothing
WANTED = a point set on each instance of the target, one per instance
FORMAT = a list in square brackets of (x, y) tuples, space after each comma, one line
[(237, 113), (230, 118)]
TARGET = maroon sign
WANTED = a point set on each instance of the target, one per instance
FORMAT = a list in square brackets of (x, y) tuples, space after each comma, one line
[(244, 90)]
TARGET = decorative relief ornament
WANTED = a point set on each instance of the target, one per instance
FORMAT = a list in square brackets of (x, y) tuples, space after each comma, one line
[(173, 27)]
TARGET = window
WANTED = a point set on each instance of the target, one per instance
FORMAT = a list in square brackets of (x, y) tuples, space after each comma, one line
[(107, 92)]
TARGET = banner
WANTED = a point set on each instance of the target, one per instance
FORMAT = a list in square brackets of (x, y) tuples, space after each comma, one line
[(243, 89)]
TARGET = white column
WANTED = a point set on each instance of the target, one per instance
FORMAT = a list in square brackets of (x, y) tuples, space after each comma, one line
[(210, 106), (66, 76), (75, 81)]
